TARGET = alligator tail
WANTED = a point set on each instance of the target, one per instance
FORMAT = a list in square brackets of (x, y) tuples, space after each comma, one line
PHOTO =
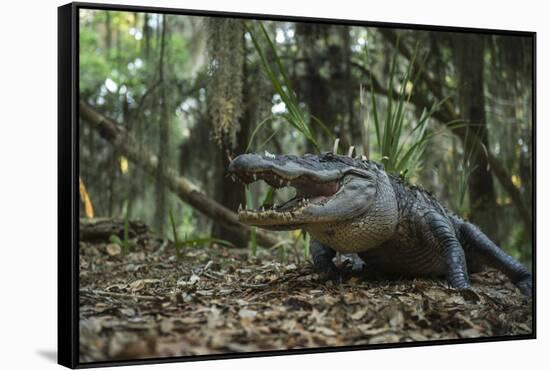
[(494, 256)]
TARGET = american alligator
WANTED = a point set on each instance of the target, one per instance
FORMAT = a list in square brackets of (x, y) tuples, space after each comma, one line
[(352, 205)]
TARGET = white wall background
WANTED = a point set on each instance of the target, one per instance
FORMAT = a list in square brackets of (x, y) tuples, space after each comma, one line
[(28, 182)]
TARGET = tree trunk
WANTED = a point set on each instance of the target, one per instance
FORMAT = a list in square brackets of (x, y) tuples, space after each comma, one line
[(315, 91), (469, 62)]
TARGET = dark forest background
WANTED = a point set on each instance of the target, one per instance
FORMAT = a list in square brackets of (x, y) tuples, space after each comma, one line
[(196, 91)]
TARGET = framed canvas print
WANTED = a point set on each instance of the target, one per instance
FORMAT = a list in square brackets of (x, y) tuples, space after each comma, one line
[(237, 185)]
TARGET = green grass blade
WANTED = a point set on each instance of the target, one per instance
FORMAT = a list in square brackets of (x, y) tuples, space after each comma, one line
[(324, 127), (203, 241), (373, 99), (264, 143), (278, 60), (255, 131), (175, 234), (268, 199), (294, 115), (125, 241), (252, 243)]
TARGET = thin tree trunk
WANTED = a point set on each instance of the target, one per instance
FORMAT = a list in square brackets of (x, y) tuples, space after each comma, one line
[(164, 140), (469, 62), (146, 36), (315, 92), (108, 32)]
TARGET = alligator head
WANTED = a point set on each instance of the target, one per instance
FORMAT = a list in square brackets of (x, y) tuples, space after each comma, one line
[(330, 188)]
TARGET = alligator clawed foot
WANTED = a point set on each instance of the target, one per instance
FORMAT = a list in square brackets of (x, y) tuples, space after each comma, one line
[(352, 267), (342, 274), (334, 274), (358, 269)]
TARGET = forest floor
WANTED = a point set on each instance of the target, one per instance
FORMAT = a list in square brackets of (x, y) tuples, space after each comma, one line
[(145, 303)]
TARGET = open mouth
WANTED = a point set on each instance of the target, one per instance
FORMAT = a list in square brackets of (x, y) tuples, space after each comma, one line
[(308, 191)]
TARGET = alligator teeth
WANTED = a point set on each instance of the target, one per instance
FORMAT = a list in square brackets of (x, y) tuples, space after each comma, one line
[(288, 183), (233, 177), (240, 208), (254, 176), (281, 182), (263, 209)]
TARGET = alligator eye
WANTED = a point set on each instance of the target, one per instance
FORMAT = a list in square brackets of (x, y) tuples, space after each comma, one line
[(327, 156)]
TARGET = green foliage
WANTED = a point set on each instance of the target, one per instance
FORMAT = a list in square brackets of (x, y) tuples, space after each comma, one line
[(401, 151), (306, 239), (125, 242), (177, 245), (517, 245), (464, 175), (192, 242), (252, 243), (275, 71), (92, 65)]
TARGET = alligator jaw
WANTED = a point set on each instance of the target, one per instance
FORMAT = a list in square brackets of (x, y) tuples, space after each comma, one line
[(309, 191)]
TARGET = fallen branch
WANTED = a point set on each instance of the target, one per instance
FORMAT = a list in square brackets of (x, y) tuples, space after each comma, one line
[(181, 186), (118, 294), (101, 229)]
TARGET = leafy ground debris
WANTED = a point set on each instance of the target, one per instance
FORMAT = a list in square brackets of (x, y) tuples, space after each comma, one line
[(218, 300)]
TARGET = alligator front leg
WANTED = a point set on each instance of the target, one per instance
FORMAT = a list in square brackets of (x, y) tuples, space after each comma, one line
[(322, 256), (494, 256)]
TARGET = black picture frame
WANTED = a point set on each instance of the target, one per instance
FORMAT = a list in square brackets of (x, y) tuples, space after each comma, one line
[(68, 170)]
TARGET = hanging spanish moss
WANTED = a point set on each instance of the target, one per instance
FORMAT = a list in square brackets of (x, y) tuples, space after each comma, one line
[(224, 89)]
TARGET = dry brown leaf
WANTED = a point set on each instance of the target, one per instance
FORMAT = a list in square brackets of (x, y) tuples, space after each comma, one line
[(190, 320), (384, 339), (247, 313), (397, 320), (325, 331), (166, 325), (359, 314), (113, 249), (139, 285)]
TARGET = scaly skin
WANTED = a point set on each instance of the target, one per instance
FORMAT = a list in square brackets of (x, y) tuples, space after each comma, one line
[(353, 206)]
